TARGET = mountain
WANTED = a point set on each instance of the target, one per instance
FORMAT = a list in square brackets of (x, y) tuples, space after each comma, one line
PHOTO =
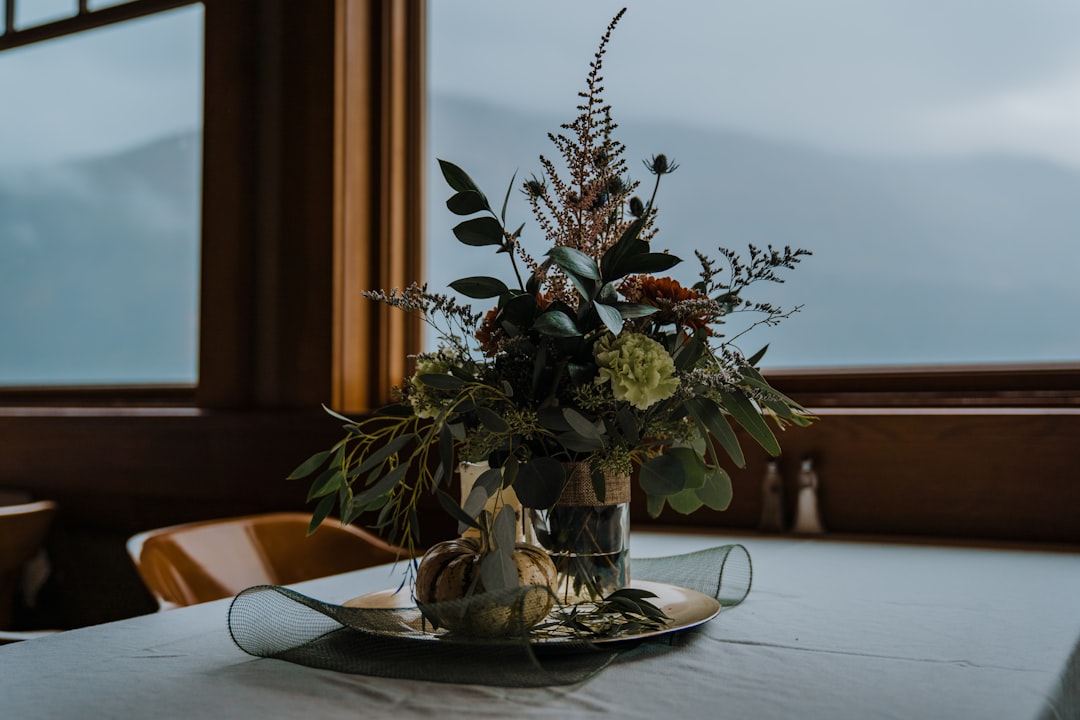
[(99, 261), (965, 259)]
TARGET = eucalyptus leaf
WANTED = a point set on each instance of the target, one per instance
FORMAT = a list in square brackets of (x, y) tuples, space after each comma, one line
[(385, 484), (654, 504), (491, 480), (662, 476), (498, 572), (685, 502), (504, 532), (747, 415), (310, 465), (716, 492), (581, 424), (328, 482), (474, 503), (574, 442), (385, 452), (454, 510), (706, 412), (491, 420), (322, 511)]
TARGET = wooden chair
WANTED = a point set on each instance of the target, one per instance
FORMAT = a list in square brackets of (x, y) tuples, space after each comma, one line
[(23, 528), (202, 561)]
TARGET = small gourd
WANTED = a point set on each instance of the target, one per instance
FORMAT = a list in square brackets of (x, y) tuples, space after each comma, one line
[(450, 571)]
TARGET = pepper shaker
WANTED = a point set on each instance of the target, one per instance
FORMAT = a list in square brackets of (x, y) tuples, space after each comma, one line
[(772, 499), (807, 510)]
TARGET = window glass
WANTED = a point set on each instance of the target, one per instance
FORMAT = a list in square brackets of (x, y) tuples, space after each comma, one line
[(927, 153), (37, 12), (100, 140)]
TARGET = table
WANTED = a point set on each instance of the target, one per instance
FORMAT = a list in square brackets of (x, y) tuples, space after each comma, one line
[(831, 629)]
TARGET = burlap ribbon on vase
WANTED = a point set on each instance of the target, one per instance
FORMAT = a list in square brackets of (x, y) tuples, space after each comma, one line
[(275, 622), (580, 491)]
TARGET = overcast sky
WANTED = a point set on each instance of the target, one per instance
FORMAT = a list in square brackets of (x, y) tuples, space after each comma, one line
[(864, 76)]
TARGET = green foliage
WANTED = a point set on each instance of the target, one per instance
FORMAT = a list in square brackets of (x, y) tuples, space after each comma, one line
[(544, 378)]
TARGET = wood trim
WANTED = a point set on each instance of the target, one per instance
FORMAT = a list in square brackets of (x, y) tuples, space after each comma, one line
[(1009, 475), (379, 174), (973, 386), (83, 21)]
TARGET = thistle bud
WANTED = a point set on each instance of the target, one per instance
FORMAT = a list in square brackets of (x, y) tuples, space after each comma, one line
[(637, 208), (533, 188), (659, 165)]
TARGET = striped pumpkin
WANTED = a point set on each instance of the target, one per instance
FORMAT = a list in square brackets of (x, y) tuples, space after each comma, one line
[(450, 569)]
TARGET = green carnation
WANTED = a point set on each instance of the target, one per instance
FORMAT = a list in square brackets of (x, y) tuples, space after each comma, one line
[(639, 369)]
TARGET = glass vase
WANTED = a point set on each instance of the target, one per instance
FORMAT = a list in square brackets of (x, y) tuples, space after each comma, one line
[(587, 539)]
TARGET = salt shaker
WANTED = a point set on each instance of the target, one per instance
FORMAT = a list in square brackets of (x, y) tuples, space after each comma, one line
[(807, 511), (772, 499)]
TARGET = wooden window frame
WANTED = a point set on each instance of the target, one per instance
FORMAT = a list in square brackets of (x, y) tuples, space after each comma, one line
[(313, 191)]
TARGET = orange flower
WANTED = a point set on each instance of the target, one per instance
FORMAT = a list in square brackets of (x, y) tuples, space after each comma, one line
[(666, 294)]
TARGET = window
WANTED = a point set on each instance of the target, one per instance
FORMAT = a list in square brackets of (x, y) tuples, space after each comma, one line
[(100, 204), (934, 175)]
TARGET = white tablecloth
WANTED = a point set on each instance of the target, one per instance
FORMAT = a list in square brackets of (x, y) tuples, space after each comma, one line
[(831, 629)]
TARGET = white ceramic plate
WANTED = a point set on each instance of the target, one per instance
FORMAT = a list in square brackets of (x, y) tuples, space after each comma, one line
[(686, 608)]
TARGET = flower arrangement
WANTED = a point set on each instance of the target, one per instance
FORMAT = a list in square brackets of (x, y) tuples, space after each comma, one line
[(590, 355)]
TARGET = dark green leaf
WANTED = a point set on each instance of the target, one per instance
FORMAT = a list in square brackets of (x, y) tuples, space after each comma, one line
[(322, 511), (454, 510), (540, 482), (552, 418), (491, 480), (480, 287), (337, 415), (479, 232), (706, 413), (446, 448), (506, 201), (491, 420), (635, 310), (380, 456), (474, 504), (328, 482), (467, 202), (655, 504), (310, 465), (385, 484), (498, 572), (628, 426), (575, 261), (716, 492), (662, 476), (581, 424), (574, 442), (756, 357), (627, 243), (647, 263), (611, 317), (685, 502), (457, 178), (504, 533), (744, 412), (693, 466), (556, 323)]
